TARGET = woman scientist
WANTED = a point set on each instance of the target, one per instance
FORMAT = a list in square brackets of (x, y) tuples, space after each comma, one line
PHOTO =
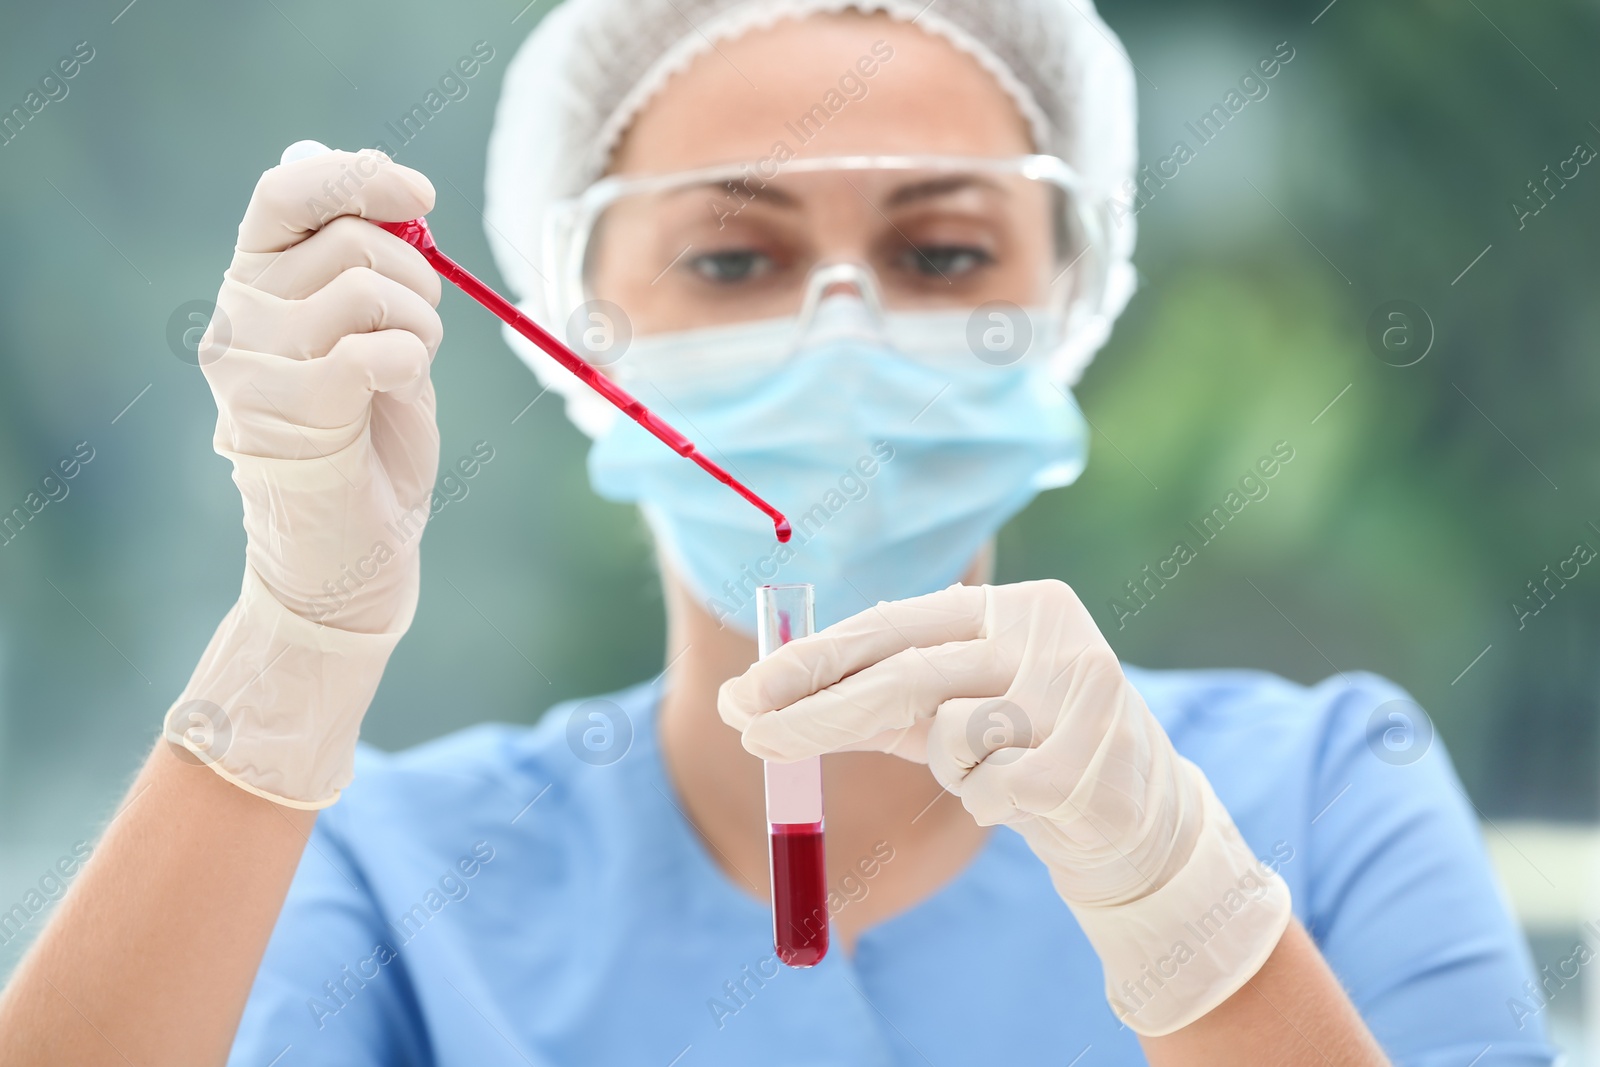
[(861, 250)]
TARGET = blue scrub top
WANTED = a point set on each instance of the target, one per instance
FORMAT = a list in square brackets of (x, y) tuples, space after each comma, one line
[(492, 899)]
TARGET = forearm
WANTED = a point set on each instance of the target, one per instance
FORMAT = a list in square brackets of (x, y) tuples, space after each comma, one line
[(1292, 1012), (152, 954)]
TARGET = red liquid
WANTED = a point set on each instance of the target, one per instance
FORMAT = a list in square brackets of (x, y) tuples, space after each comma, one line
[(799, 893), (416, 234)]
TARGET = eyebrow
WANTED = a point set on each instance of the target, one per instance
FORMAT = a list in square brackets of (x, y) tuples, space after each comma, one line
[(923, 190), (940, 187), (740, 190)]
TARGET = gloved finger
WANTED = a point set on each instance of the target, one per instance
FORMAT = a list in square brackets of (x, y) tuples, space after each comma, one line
[(1066, 689), (294, 199), (346, 242), (1015, 784), (405, 432), (969, 732), (394, 363), (1092, 752), (301, 409), (889, 696), (1007, 785), (809, 664), (359, 300), (908, 743)]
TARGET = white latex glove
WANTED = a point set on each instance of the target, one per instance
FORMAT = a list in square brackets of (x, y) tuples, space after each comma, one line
[(1014, 700), (318, 357)]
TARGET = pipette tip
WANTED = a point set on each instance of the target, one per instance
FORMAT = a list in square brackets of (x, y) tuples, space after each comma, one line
[(785, 531)]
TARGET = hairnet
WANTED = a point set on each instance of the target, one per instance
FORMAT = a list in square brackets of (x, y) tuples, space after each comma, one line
[(590, 66)]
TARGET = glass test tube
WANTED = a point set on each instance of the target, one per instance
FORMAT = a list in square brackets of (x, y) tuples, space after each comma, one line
[(794, 804)]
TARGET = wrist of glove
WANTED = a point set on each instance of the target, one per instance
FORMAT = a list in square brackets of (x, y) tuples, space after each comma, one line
[(1013, 698), (276, 703), (1196, 937)]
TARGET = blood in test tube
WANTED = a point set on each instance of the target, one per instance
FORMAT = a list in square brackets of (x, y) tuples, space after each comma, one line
[(796, 857), (799, 893)]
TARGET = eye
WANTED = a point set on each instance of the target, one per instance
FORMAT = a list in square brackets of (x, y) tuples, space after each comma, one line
[(734, 265), (947, 261)]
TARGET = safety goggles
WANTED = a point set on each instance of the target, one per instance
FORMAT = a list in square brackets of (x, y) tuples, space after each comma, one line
[(731, 245)]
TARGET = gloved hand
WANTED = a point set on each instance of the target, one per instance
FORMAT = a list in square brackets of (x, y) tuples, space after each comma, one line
[(1014, 700), (318, 356)]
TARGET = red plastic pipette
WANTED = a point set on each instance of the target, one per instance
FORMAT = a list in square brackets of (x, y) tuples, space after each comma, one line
[(416, 234)]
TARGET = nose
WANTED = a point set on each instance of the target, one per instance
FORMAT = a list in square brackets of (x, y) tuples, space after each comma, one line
[(832, 280), (847, 278), (841, 301)]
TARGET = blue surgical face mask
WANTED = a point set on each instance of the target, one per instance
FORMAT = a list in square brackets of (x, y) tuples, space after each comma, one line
[(894, 470)]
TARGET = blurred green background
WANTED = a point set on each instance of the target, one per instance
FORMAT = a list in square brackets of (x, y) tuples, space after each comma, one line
[(1381, 165)]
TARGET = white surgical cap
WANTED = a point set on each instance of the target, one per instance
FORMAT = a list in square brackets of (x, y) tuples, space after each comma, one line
[(590, 66)]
